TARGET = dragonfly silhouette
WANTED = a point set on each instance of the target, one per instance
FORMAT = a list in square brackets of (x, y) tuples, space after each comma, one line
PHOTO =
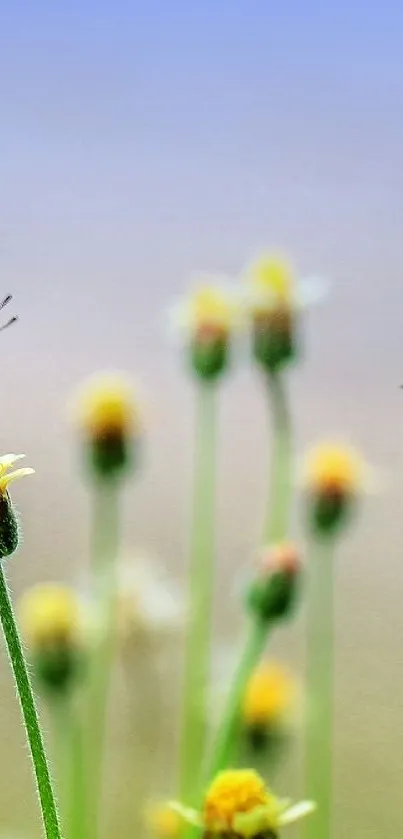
[(13, 319)]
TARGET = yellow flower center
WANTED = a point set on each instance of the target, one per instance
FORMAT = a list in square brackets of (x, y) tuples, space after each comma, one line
[(332, 468), (50, 614), (268, 695), (211, 309), (233, 792), (107, 407), (272, 280)]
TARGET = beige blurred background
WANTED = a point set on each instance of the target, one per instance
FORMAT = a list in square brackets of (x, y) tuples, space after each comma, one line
[(142, 142)]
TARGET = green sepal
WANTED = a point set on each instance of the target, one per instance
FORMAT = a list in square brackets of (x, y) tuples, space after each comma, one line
[(9, 529), (209, 357)]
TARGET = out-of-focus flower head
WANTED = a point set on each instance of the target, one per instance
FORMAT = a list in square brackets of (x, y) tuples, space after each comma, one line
[(163, 822), (274, 299), (238, 803), (334, 477), (269, 695), (108, 418), (56, 631), (207, 319), (272, 594), (9, 531), (150, 606)]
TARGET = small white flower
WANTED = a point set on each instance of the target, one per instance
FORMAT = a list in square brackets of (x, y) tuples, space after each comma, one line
[(270, 281)]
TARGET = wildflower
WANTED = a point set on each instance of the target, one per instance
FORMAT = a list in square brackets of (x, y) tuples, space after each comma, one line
[(149, 606), (109, 419), (334, 477), (9, 532), (239, 804), (274, 301), (272, 593), (208, 319), (268, 697), (163, 821), (54, 630)]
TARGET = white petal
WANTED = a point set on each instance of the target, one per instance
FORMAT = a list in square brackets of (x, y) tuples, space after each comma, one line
[(188, 815), (297, 811), (8, 460), (312, 290)]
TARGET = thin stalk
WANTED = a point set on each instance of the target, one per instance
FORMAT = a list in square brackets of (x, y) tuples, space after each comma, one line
[(104, 555), (61, 732), (319, 687), (226, 740), (29, 713), (77, 800), (280, 483), (198, 640)]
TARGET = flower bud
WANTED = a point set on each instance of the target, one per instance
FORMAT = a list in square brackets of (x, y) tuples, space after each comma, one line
[(9, 530), (272, 595), (333, 479), (53, 628), (208, 319), (109, 420)]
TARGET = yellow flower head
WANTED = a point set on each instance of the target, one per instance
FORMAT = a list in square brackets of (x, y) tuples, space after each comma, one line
[(163, 821), (7, 477), (233, 792), (106, 407), (50, 614), (332, 468), (269, 695), (272, 284), (211, 311), (239, 804)]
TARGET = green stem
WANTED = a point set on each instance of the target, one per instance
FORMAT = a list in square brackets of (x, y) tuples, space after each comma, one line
[(198, 641), (319, 687), (280, 484), (29, 713), (77, 799), (105, 550), (227, 736), (60, 713)]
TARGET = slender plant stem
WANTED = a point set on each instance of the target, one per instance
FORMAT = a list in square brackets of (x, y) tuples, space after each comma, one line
[(104, 555), (198, 641), (61, 731), (77, 801), (280, 484), (225, 743), (319, 688), (29, 713)]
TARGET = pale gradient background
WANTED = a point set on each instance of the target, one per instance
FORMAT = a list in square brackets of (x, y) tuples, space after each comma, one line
[(141, 141)]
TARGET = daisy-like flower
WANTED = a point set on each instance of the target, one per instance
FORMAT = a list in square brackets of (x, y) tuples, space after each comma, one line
[(207, 319), (268, 696), (56, 630), (9, 532), (238, 804), (274, 299), (108, 417), (334, 477)]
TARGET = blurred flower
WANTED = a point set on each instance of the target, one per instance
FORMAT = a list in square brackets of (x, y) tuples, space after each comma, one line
[(274, 300), (334, 476), (239, 804), (109, 419), (9, 531), (163, 821), (207, 319), (268, 696), (150, 606), (56, 630), (272, 594)]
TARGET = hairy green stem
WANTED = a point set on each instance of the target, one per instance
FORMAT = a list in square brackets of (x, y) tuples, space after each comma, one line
[(280, 484), (29, 713), (105, 550), (201, 579), (319, 688)]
